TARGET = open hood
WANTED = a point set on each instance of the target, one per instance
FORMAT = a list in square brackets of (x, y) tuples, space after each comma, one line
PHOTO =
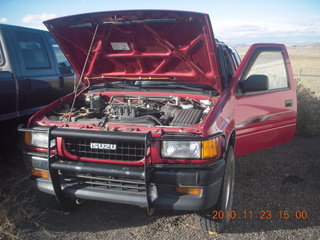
[(140, 45)]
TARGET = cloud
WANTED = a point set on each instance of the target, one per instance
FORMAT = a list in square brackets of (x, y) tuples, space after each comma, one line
[(38, 18), (37, 26), (233, 31), (3, 20)]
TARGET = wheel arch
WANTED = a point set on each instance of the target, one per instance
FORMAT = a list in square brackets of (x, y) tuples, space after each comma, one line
[(231, 141)]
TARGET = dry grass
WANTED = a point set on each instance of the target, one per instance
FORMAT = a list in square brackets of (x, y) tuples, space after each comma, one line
[(17, 208), (308, 121), (305, 59)]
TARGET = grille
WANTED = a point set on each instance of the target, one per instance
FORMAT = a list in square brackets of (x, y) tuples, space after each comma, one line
[(106, 183), (125, 150)]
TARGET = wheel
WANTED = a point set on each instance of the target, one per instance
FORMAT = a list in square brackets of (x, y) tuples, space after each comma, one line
[(204, 218), (47, 200)]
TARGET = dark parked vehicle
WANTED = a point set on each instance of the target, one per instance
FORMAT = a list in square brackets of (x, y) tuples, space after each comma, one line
[(33, 71), (164, 111)]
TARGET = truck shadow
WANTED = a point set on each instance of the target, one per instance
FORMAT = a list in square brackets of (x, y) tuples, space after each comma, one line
[(285, 178)]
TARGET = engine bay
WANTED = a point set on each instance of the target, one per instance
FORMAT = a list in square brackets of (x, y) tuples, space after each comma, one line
[(100, 110)]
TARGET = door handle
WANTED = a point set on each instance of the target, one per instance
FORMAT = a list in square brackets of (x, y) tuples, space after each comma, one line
[(61, 81), (288, 103), (27, 83)]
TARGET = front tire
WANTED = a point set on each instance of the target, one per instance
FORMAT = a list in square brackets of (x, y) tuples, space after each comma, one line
[(204, 219)]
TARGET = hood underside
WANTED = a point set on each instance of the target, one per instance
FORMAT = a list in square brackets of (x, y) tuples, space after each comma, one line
[(140, 45)]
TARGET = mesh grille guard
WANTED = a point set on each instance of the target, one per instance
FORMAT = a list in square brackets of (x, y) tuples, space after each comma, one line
[(118, 150), (144, 138)]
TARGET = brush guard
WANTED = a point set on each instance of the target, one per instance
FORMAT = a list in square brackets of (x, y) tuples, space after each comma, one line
[(55, 166)]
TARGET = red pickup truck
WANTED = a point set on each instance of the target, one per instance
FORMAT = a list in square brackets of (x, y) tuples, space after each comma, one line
[(162, 112)]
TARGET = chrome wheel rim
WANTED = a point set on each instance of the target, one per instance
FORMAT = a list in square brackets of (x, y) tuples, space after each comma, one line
[(229, 185), (228, 190)]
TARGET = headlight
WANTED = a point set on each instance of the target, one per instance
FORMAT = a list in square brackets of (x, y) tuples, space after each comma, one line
[(190, 149), (181, 149), (38, 139)]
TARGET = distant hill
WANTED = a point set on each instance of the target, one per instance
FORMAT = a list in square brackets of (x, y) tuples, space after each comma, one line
[(309, 51), (308, 45)]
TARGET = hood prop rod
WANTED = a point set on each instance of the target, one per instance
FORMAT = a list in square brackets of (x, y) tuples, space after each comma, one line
[(82, 72)]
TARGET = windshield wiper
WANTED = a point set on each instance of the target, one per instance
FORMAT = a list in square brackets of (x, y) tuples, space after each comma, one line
[(124, 86), (112, 85), (168, 85)]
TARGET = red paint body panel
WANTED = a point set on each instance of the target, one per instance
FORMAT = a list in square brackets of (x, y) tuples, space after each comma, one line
[(258, 120), (278, 120), (258, 138), (176, 45)]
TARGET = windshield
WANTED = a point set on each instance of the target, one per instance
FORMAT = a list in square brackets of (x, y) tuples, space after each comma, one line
[(146, 84), (154, 85)]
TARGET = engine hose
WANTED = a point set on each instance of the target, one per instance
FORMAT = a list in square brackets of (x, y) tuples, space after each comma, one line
[(150, 117)]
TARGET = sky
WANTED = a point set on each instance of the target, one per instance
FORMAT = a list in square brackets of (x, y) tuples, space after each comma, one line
[(234, 22)]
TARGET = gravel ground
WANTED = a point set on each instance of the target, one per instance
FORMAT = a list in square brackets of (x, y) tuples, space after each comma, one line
[(284, 178)]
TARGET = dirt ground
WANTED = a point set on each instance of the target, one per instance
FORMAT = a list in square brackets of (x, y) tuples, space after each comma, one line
[(284, 178)]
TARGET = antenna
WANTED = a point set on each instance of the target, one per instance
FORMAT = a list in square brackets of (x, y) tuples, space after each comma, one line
[(82, 72)]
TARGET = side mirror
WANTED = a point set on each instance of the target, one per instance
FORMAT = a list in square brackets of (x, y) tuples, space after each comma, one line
[(65, 69), (255, 82)]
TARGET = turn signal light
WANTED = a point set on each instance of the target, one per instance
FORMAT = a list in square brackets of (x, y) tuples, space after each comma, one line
[(27, 138), (38, 173), (189, 190), (209, 148)]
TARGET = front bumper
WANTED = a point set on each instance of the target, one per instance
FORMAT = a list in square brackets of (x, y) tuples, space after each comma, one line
[(162, 185)]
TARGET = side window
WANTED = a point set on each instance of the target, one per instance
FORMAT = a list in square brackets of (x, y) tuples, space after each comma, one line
[(64, 65), (272, 65), (33, 50), (229, 66), (226, 67), (235, 57)]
